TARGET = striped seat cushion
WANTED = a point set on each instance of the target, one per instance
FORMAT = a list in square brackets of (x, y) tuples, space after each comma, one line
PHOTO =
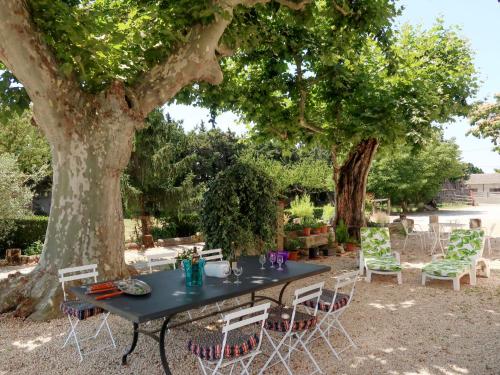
[(325, 301), (79, 309), (207, 344), (279, 320)]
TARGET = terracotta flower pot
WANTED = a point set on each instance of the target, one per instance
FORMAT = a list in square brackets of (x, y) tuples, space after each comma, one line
[(293, 255), (324, 229), (307, 231), (349, 246), (316, 230)]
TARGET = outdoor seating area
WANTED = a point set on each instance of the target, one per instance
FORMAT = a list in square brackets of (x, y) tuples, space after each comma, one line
[(383, 320), (254, 187)]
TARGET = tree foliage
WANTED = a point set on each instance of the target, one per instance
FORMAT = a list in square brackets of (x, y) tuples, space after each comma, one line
[(15, 196), (21, 138), (293, 169), (485, 121), (239, 210), (409, 175)]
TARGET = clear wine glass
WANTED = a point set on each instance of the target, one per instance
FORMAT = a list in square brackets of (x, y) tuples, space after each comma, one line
[(262, 261), (280, 261), (272, 258), (238, 271), (227, 272)]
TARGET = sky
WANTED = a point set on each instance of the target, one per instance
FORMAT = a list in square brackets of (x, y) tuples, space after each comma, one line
[(479, 21)]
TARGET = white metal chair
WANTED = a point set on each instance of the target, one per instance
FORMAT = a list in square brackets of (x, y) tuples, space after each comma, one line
[(293, 325), (211, 255), (214, 255), (489, 237), (161, 259), (440, 237), (412, 233), (78, 310), (333, 303), (238, 343)]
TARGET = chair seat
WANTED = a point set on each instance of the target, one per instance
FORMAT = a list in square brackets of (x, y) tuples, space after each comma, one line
[(325, 301), (279, 320), (446, 267), (207, 344), (79, 309), (386, 263)]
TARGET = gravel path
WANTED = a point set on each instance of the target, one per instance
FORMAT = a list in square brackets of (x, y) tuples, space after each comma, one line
[(407, 329)]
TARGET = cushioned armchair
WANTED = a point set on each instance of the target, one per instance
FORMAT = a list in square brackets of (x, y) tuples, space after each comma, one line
[(463, 256), (376, 255)]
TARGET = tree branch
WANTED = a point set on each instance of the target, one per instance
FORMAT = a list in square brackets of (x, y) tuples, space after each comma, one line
[(302, 99), (24, 53), (341, 10), (195, 61)]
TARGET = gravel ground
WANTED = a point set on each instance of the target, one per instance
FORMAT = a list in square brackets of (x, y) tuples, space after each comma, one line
[(407, 329)]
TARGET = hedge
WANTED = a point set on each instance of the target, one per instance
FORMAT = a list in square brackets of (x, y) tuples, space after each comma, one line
[(27, 230)]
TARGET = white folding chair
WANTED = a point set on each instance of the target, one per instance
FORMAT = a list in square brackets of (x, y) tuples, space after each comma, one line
[(159, 260), (214, 255), (489, 237), (211, 255), (333, 303), (233, 346), (293, 325), (409, 233), (78, 310)]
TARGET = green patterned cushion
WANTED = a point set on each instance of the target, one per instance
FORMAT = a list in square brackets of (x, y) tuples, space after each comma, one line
[(446, 267), (464, 244), (375, 242), (385, 263)]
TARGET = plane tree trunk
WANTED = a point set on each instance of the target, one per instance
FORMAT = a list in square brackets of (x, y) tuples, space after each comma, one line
[(350, 186)]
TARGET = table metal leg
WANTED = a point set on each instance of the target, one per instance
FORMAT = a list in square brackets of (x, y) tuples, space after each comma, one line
[(280, 299), (164, 361), (134, 343)]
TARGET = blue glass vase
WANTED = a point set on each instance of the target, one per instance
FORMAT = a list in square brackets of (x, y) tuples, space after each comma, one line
[(193, 272)]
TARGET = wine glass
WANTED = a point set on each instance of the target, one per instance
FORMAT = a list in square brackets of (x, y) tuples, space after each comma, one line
[(280, 260), (238, 271), (272, 258), (226, 272), (262, 261)]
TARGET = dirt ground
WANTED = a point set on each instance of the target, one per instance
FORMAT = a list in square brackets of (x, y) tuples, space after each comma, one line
[(399, 330)]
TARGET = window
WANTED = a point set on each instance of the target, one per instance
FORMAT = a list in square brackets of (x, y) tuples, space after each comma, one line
[(473, 190), (494, 190)]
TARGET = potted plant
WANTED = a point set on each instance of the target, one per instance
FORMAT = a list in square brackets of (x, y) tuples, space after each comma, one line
[(341, 234), (292, 246), (351, 244), (307, 223), (316, 227), (324, 227), (330, 248)]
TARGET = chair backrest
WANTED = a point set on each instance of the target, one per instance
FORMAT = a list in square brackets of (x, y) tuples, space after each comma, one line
[(344, 284), (375, 242), (492, 229), (156, 260), (464, 244), (245, 317), (77, 273), (212, 255), (308, 293)]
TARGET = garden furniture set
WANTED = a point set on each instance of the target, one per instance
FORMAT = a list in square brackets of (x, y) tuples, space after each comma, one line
[(463, 256), (314, 313)]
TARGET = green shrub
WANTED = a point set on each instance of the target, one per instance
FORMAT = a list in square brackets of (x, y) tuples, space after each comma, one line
[(182, 226), (239, 210), (302, 207), (293, 244), (341, 232), (328, 213), (34, 249), (318, 212), (26, 231)]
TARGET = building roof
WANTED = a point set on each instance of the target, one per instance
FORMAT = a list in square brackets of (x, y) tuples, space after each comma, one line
[(483, 179)]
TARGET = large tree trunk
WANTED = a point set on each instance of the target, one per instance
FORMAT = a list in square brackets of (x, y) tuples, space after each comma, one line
[(86, 218), (350, 186)]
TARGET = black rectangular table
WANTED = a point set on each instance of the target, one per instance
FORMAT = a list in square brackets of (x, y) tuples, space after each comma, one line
[(170, 296)]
